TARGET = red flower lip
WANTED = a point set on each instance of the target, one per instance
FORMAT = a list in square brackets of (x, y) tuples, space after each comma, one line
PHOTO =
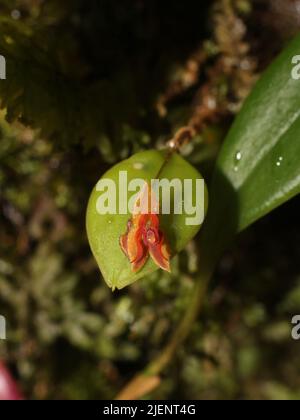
[(143, 237)]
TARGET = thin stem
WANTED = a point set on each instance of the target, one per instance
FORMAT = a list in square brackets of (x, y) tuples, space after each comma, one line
[(181, 137), (147, 380), (182, 331)]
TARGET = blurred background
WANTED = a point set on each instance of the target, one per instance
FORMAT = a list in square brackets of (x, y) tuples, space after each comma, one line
[(88, 84)]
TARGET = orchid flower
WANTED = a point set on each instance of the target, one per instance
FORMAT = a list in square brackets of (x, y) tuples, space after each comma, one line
[(143, 237)]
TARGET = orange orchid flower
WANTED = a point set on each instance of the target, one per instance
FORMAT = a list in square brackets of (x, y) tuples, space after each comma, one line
[(143, 237)]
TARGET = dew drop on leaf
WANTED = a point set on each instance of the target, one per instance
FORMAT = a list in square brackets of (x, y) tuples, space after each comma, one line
[(237, 159)]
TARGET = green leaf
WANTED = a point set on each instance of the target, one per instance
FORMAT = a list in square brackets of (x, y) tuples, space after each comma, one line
[(258, 167), (104, 230)]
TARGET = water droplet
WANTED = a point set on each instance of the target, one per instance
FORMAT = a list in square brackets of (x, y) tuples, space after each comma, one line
[(279, 161), (238, 156), (237, 160)]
